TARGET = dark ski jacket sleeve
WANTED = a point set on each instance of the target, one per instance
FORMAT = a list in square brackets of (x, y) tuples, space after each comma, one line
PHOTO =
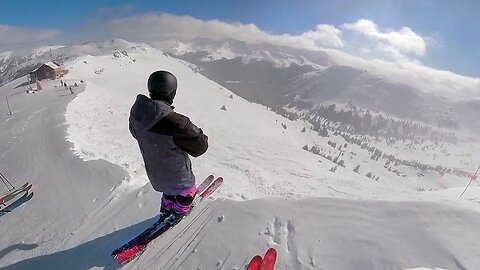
[(186, 135), (132, 131)]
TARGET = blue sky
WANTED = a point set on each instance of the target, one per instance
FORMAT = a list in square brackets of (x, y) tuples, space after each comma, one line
[(449, 29)]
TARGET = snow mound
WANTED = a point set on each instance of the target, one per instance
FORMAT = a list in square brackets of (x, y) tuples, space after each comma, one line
[(319, 233)]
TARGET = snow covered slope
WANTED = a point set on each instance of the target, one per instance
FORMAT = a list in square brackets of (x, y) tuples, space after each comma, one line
[(66, 189), (402, 99), (16, 64), (82, 210)]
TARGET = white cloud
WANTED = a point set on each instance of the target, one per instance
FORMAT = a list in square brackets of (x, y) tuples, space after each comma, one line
[(398, 44), (152, 27), (12, 36), (427, 79), (325, 35)]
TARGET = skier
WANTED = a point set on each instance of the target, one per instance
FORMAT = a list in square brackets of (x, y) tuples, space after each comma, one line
[(166, 138)]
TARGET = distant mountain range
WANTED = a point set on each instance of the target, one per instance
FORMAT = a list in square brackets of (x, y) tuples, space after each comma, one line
[(280, 77), (283, 78)]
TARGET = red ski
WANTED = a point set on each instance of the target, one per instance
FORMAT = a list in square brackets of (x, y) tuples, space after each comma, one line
[(269, 259), (255, 263)]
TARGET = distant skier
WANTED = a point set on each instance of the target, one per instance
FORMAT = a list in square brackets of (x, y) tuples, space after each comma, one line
[(165, 139)]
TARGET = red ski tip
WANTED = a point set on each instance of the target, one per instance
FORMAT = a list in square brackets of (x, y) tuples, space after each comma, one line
[(269, 259), (255, 263), (127, 255)]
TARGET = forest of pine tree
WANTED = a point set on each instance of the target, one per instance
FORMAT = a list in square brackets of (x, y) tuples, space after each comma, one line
[(362, 122)]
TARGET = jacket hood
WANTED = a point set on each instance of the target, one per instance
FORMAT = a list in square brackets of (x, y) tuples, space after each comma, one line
[(145, 112)]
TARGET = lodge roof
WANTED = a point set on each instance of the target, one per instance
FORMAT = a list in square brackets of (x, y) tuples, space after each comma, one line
[(49, 64)]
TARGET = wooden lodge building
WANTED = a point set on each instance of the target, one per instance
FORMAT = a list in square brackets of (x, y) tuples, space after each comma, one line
[(49, 70)]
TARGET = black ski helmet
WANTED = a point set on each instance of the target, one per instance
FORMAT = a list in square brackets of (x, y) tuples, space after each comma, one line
[(162, 85)]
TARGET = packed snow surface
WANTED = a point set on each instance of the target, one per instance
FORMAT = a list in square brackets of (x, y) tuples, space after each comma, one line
[(92, 193)]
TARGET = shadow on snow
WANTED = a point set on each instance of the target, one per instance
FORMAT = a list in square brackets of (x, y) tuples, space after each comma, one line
[(17, 203), (94, 253)]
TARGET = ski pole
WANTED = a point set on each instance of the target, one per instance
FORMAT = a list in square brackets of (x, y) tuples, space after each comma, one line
[(8, 105), (473, 177), (4, 179)]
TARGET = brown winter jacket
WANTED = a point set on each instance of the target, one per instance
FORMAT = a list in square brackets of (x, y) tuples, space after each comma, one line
[(166, 139)]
